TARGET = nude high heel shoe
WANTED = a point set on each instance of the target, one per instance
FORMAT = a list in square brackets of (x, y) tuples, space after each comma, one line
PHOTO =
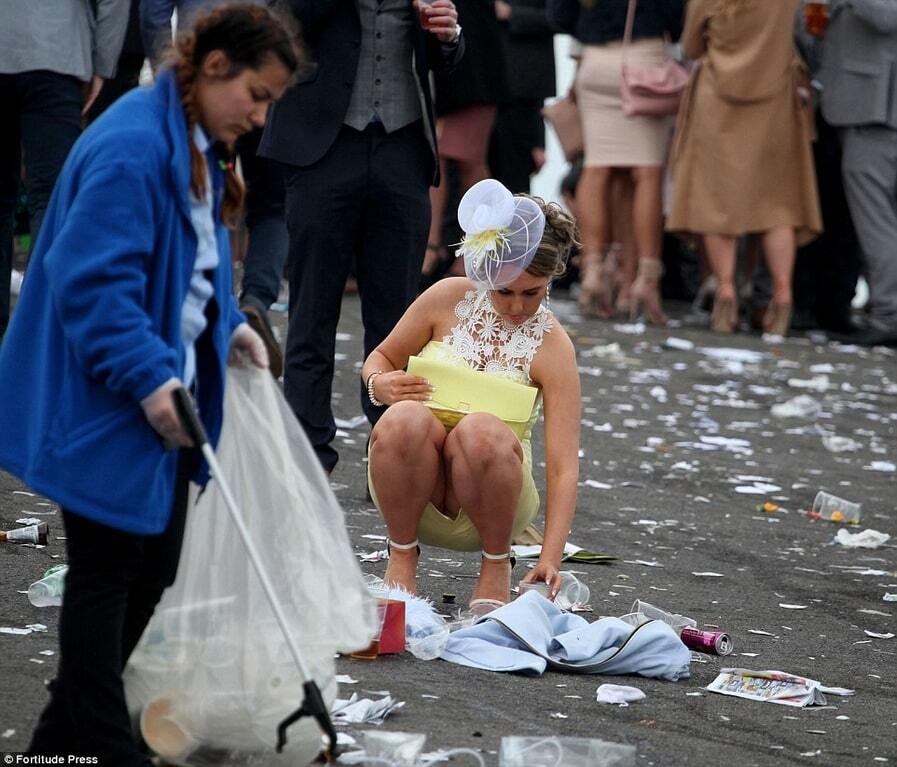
[(646, 292), (595, 291)]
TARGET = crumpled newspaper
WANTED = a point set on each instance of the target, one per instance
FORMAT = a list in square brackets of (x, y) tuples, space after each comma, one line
[(356, 710)]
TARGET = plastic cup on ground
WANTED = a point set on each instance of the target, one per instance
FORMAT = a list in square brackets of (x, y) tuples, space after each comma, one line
[(572, 592), (835, 509), (373, 649)]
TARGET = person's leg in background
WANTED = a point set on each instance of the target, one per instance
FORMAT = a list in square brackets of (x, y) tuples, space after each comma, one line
[(720, 251), (513, 139), (51, 124), (779, 248), (647, 224), (114, 582), (324, 212), (838, 261), (10, 177), (870, 181), (592, 203), (268, 242), (397, 219)]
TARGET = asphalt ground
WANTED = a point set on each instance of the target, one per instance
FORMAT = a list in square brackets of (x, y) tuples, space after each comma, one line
[(669, 436)]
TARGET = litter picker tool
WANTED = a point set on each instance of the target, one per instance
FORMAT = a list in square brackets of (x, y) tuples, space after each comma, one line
[(313, 704)]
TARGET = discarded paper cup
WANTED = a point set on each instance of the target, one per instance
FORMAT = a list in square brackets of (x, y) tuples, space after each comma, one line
[(835, 509), (164, 733), (373, 649)]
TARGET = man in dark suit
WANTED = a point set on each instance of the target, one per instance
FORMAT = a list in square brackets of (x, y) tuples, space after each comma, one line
[(859, 96), (358, 143), (518, 139)]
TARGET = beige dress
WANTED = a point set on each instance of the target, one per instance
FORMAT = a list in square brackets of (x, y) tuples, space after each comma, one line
[(742, 158), (610, 138)]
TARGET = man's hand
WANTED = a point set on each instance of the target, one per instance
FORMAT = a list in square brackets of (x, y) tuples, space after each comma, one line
[(244, 340), (439, 18), (503, 10), (160, 411), (538, 154), (92, 91)]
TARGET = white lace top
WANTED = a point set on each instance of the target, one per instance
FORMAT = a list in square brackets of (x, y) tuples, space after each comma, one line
[(484, 341)]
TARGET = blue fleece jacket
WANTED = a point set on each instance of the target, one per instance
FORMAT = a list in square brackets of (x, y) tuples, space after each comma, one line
[(98, 325)]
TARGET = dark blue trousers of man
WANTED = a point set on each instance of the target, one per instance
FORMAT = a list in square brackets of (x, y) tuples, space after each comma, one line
[(365, 204)]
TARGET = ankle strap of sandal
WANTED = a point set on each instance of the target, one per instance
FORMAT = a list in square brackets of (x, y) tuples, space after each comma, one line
[(496, 557), (415, 544)]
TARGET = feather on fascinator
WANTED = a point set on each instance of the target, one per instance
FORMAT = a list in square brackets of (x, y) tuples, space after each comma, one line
[(501, 233)]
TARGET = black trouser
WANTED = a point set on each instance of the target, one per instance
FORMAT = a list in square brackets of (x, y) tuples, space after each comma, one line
[(268, 243), (519, 128), (42, 119), (114, 582), (366, 202)]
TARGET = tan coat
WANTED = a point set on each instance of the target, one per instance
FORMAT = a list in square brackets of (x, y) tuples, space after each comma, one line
[(742, 159)]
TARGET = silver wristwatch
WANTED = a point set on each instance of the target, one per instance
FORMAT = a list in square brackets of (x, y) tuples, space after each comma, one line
[(457, 35)]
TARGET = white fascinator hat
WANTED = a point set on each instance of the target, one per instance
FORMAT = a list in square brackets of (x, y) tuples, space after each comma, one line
[(501, 233)]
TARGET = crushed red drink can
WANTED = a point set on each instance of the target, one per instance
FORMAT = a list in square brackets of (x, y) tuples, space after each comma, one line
[(712, 642)]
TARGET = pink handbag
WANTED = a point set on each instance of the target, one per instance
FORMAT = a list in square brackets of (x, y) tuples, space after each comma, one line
[(654, 91)]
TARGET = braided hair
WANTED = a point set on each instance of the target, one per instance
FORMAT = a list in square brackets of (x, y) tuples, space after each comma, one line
[(249, 36)]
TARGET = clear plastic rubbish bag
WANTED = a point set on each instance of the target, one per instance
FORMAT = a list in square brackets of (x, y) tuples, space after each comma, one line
[(213, 675)]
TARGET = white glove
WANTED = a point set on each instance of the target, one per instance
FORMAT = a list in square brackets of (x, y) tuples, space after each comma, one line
[(162, 415), (245, 341)]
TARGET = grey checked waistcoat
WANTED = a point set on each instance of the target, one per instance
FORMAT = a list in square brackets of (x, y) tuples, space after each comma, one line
[(385, 86)]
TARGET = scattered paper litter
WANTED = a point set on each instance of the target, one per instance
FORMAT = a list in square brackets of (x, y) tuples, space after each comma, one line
[(345, 679), (773, 687), (881, 466), (16, 631), (709, 574), (7, 733), (682, 344), (618, 694), (733, 355), (558, 715), (28, 521), (889, 597), (357, 710), (758, 632), (868, 539), (631, 328), (792, 607), (802, 406), (818, 383), (597, 485), (875, 635), (644, 562)]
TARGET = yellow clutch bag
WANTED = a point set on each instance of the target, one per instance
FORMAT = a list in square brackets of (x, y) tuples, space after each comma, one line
[(458, 390)]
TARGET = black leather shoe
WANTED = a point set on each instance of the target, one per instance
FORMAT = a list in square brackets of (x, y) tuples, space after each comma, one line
[(257, 317), (866, 336)]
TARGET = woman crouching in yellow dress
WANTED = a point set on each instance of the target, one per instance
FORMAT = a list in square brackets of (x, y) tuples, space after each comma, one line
[(455, 470)]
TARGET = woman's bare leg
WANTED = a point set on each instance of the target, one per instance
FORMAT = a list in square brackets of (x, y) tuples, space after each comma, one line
[(593, 204), (779, 246), (407, 473), (484, 472), (647, 224), (720, 251)]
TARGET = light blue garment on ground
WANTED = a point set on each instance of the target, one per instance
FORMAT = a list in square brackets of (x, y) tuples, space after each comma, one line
[(531, 634)]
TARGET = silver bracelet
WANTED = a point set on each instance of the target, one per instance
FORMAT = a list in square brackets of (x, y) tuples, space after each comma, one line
[(370, 387)]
